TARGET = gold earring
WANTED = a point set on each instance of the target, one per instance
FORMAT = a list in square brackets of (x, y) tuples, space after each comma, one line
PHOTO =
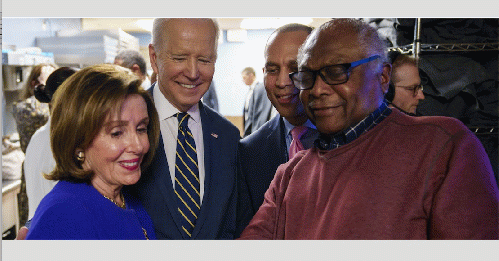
[(80, 156)]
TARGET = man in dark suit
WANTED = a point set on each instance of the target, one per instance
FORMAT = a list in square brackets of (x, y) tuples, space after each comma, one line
[(263, 151), (183, 54), (257, 107)]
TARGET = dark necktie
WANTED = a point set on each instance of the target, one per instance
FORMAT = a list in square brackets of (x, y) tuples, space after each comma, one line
[(186, 176)]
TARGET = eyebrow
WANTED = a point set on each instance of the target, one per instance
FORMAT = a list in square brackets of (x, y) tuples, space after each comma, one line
[(271, 64)]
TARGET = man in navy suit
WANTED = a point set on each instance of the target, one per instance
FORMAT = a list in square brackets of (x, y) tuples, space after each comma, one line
[(183, 54), (264, 150)]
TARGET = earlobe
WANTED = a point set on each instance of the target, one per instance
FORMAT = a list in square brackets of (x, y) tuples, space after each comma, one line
[(152, 58)]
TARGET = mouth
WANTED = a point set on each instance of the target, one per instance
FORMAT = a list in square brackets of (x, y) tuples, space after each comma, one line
[(132, 164), (320, 111), (188, 86), (286, 98)]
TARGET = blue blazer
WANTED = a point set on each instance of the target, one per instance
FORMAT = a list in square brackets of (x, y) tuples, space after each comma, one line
[(217, 216), (259, 156)]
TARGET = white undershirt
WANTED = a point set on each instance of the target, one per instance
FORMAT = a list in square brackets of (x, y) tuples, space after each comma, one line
[(169, 130)]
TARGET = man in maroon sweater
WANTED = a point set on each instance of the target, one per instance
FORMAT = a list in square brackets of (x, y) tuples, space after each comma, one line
[(374, 173)]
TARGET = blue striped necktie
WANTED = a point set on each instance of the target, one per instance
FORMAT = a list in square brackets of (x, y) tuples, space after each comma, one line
[(186, 176)]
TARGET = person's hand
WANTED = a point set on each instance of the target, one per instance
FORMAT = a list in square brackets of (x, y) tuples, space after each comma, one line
[(21, 235)]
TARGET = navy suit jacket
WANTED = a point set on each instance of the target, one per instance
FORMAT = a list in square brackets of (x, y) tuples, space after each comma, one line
[(259, 110), (258, 158), (217, 216)]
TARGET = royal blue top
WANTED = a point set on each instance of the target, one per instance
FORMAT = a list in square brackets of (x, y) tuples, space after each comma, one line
[(79, 211)]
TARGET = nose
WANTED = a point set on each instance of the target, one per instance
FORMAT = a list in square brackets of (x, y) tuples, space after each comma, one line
[(192, 69), (283, 79), (136, 144), (320, 87), (420, 95)]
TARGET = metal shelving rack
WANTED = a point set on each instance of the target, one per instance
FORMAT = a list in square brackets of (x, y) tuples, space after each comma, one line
[(449, 47), (417, 47)]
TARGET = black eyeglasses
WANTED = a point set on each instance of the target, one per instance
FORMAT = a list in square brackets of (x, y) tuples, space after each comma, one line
[(331, 74), (414, 89)]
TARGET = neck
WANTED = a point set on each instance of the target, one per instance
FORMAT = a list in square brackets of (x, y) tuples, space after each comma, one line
[(297, 120), (110, 191)]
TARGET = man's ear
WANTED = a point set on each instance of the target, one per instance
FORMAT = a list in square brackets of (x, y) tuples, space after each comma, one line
[(385, 77), (152, 58)]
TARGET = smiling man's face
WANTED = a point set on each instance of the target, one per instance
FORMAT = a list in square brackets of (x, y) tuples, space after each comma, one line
[(186, 62)]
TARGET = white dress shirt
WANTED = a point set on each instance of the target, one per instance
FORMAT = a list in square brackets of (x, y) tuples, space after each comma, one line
[(38, 160), (169, 131)]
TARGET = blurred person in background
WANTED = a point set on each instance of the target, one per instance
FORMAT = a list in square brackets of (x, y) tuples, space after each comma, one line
[(39, 159), (257, 107), (405, 90), (134, 61), (30, 115)]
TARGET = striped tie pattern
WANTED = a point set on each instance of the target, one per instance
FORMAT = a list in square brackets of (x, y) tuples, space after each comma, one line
[(186, 176)]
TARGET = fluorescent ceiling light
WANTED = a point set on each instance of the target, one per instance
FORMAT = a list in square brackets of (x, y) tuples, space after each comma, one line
[(145, 24), (272, 23)]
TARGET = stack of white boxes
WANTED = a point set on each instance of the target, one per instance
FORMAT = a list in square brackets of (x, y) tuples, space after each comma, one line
[(89, 47)]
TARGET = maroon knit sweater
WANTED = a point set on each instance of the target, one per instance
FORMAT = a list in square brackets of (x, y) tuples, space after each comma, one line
[(407, 178)]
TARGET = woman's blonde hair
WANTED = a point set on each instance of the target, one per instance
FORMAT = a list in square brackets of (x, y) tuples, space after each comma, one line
[(80, 107)]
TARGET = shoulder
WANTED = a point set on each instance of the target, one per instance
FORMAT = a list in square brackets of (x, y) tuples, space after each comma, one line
[(61, 215), (436, 124), (213, 118), (262, 134)]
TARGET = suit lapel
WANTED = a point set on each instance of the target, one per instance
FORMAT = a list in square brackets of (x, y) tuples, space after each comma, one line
[(277, 138), (208, 141)]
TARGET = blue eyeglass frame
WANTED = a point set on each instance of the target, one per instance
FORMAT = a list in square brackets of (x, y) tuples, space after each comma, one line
[(347, 67)]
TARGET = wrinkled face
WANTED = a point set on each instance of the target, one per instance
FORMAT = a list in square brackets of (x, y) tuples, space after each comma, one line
[(185, 63), (116, 153), (405, 78), (280, 61), (333, 108), (248, 78)]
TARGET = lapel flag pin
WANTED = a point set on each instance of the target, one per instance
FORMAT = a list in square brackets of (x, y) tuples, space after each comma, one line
[(214, 135)]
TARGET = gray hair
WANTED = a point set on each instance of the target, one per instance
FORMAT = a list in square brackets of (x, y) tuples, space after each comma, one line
[(131, 57), (367, 37), (160, 27)]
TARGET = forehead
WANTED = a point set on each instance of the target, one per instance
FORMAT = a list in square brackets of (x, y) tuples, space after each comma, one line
[(330, 46), (132, 106), (406, 73), (285, 44), (196, 34)]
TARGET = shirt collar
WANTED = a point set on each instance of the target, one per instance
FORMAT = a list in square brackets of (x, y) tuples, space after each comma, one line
[(329, 142), (288, 126), (167, 110)]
